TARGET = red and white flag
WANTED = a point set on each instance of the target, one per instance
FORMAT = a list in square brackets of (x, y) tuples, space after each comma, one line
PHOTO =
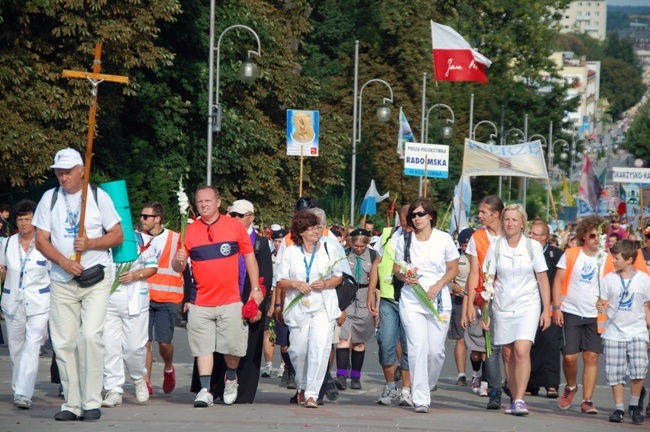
[(454, 59)]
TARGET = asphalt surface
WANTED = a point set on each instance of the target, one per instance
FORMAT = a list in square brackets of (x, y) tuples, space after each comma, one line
[(453, 408)]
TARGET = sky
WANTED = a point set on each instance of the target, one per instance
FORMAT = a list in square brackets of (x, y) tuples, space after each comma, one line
[(628, 2)]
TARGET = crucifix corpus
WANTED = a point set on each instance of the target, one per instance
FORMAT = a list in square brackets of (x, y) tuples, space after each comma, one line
[(95, 78)]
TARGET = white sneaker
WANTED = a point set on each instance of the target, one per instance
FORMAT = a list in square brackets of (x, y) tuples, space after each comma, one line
[(141, 391), (483, 391), (280, 371), (203, 399), (267, 370), (230, 392), (387, 395), (112, 399), (23, 402), (405, 398), (422, 409), (476, 384)]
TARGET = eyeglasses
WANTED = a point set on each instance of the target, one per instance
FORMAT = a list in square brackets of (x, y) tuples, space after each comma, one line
[(239, 215), (314, 228), (592, 236), (419, 214), (537, 235), (146, 216)]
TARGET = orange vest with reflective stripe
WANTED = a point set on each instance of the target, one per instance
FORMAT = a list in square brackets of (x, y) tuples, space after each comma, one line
[(166, 286), (482, 242)]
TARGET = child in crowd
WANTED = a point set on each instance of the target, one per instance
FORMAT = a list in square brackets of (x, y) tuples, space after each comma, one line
[(625, 297)]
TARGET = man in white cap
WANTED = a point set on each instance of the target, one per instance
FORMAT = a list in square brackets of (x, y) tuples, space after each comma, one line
[(80, 291)]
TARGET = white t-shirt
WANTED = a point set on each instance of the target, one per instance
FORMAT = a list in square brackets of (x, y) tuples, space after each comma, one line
[(583, 287), (626, 316), (135, 295), (515, 290), (63, 225), (35, 292), (430, 257), (471, 246)]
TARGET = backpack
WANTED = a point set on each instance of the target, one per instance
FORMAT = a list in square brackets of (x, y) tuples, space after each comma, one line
[(55, 196), (398, 284)]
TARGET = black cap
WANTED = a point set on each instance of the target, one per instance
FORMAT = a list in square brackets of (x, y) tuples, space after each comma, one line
[(306, 203), (465, 235), (360, 232), (279, 234)]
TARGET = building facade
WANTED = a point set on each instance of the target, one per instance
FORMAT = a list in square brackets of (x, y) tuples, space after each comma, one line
[(588, 17)]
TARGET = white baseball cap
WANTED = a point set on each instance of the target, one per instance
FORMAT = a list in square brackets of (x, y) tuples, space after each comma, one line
[(242, 207), (275, 227), (67, 158)]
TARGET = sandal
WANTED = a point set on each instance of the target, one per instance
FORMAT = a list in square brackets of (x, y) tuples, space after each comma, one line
[(552, 393)]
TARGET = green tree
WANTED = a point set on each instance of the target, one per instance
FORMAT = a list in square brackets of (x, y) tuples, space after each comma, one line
[(637, 137)]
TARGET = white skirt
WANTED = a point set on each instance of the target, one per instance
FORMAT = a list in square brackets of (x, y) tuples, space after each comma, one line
[(522, 326)]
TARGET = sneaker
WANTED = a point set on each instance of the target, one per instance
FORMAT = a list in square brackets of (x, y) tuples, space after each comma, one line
[(291, 382), (476, 384), (340, 382), (112, 399), (230, 392), (387, 395), (149, 388), (169, 381), (284, 379), (203, 399), (462, 381), (510, 409), (280, 371), (483, 390), (24, 402), (566, 398), (587, 407), (494, 403), (355, 383), (422, 409), (405, 398), (617, 416), (635, 413), (331, 392), (267, 370), (520, 408), (141, 391)]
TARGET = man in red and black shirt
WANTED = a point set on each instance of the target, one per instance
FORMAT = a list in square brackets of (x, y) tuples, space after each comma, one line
[(213, 244)]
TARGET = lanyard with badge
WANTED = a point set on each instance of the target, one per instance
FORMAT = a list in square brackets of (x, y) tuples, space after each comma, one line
[(305, 299), (74, 222), (626, 288), (23, 263)]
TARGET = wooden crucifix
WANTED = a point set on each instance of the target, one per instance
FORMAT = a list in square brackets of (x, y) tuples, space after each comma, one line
[(95, 78)]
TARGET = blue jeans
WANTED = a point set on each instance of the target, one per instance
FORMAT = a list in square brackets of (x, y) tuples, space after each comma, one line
[(390, 329)]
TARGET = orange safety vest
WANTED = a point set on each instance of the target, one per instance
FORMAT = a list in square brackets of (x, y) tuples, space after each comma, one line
[(482, 242), (608, 267), (166, 286)]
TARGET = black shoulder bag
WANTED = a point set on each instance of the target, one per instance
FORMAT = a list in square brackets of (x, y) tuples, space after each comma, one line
[(346, 292)]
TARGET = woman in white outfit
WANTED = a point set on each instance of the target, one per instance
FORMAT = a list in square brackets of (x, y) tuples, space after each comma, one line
[(25, 302), (306, 269), (435, 256), (520, 269)]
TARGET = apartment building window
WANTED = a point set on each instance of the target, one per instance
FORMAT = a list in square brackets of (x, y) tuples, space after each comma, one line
[(588, 13)]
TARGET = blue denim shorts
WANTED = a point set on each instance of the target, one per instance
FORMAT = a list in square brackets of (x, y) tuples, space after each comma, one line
[(161, 321), (390, 329)]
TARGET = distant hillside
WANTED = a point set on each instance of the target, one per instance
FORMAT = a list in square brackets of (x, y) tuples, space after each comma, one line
[(620, 17), (630, 10)]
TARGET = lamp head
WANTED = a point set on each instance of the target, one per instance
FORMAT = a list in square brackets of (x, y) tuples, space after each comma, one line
[(447, 132), (563, 156), (248, 70), (384, 113), (491, 142)]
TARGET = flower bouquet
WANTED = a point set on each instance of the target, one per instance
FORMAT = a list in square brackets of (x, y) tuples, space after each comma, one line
[(484, 293), (183, 206), (420, 292)]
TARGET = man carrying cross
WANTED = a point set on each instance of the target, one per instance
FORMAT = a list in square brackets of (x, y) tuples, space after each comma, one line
[(79, 291)]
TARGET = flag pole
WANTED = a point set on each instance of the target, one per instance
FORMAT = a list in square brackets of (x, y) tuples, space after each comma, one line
[(446, 213), (426, 162), (550, 197), (301, 160), (642, 205), (460, 202)]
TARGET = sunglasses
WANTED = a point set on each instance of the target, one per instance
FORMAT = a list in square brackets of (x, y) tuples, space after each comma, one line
[(419, 214), (146, 216), (592, 236), (238, 215)]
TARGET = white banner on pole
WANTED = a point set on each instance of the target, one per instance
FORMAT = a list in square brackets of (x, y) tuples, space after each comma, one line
[(519, 160)]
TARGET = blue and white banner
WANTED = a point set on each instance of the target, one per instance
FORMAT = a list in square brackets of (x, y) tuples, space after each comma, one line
[(369, 204), (433, 157)]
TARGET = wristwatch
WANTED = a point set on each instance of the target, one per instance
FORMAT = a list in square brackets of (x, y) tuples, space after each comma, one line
[(256, 289), (141, 276), (554, 308)]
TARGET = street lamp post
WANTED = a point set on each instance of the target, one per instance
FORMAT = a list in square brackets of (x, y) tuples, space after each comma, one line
[(491, 140), (383, 115), (247, 72), (446, 131), (522, 134)]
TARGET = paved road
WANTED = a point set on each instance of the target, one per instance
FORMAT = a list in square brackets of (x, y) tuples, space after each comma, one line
[(453, 408)]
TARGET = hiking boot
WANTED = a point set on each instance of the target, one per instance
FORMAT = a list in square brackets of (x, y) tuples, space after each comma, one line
[(495, 401), (635, 413), (112, 399), (355, 383), (405, 398), (203, 399), (387, 395), (291, 382), (267, 370), (169, 381), (587, 407), (340, 382), (565, 400), (462, 381), (617, 416)]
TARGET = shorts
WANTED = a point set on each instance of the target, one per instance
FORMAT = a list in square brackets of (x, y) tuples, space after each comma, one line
[(281, 334), (162, 317), (625, 358), (456, 331), (580, 334), (219, 328), (389, 332)]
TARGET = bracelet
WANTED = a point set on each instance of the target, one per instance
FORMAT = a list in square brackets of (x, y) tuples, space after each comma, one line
[(554, 308), (256, 289), (278, 305)]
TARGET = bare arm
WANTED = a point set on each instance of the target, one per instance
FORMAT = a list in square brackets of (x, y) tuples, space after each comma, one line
[(558, 317), (472, 283), (545, 290), (452, 272), (48, 250)]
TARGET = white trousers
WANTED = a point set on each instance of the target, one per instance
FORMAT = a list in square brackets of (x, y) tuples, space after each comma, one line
[(125, 337), (76, 325), (309, 350), (25, 336), (425, 336)]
